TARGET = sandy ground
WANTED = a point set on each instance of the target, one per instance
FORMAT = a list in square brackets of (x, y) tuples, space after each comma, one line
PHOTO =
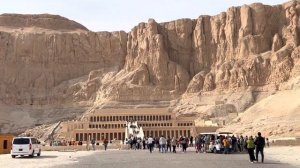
[(284, 155), (290, 155)]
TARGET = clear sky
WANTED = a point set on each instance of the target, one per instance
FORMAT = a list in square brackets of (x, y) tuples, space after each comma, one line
[(111, 15)]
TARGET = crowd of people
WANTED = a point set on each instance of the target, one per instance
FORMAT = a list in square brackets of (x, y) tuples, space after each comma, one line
[(204, 143), (163, 144)]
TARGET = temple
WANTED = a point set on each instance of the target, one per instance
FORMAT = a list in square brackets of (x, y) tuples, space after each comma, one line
[(112, 124)]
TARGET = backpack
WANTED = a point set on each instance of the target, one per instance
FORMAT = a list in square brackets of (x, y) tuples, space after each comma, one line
[(260, 142)]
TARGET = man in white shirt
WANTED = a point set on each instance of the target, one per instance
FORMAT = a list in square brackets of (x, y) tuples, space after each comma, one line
[(162, 143), (150, 143)]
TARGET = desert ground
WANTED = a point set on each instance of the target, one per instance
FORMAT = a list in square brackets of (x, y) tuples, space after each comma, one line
[(276, 157)]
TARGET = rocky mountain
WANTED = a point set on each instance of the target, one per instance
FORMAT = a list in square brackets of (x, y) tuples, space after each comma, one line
[(54, 69)]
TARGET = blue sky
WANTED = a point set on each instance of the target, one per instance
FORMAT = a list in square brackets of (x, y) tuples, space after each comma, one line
[(112, 15)]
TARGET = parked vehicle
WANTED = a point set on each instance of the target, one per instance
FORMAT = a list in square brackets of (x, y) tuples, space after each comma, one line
[(25, 146)]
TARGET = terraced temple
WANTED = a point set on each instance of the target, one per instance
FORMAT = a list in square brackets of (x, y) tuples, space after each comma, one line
[(111, 123)]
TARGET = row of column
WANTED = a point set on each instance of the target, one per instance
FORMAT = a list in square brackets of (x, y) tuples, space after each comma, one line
[(100, 136), (126, 118), (108, 126), (168, 133)]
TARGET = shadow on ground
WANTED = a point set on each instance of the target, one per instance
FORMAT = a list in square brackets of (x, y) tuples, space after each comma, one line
[(36, 157)]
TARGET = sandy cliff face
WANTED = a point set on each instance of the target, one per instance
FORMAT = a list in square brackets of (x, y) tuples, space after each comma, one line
[(246, 46), (33, 63), (238, 57), (41, 66)]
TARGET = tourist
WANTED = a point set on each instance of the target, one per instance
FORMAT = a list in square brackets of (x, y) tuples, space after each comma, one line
[(130, 142), (217, 145), (242, 143), (162, 144), (206, 143), (191, 141), (138, 143), (105, 143), (174, 143), (260, 144), (233, 143), (144, 142), (226, 145), (169, 144), (157, 143), (245, 142), (230, 142), (267, 141), (198, 144), (87, 145), (134, 142), (184, 144), (150, 141), (250, 148), (93, 143), (179, 141)]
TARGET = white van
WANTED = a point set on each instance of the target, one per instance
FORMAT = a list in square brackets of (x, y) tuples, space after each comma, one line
[(25, 146)]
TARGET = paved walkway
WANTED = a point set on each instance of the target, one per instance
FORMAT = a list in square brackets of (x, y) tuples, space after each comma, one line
[(143, 159)]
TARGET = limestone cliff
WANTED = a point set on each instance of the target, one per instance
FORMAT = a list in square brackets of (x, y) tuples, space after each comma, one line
[(238, 57)]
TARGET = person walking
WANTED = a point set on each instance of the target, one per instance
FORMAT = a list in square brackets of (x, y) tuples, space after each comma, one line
[(226, 144), (138, 143), (174, 143), (88, 144), (250, 148), (245, 143), (105, 143), (198, 144), (260, 144), (134, 143), (150, 143), (191, 141), (267, 141), (179, 141), (162, 143), (206, 143), (93, 143), (144, 143), (169, 144), (184, 144), (130, 142), (233, 143), (242, 143)]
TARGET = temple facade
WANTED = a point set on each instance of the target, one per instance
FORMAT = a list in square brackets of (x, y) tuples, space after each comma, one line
[(111, 124)]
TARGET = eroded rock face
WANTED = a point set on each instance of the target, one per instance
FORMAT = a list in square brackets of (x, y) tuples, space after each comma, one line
[(33, 64), (50, 60), (46, 21)]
